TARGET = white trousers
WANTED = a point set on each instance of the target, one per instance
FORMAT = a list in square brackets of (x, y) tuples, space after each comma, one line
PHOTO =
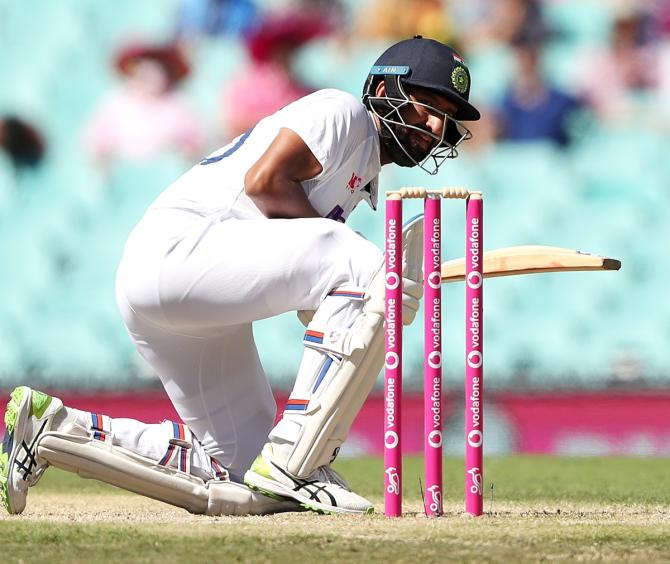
[(189, 288)]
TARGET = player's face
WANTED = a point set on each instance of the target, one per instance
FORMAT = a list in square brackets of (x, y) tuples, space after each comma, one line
[(426, 112), (417, 128)]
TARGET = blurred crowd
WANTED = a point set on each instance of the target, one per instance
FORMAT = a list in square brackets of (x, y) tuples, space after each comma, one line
[(116, 100), (617, 81)]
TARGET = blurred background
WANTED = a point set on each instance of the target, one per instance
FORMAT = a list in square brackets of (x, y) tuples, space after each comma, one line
[(104, 104)]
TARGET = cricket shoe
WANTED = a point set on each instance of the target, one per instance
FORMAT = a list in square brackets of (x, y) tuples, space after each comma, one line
[(29, 415), (324, 491)]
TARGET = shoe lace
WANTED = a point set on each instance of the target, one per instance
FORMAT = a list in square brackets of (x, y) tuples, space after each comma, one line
[(327, 474)]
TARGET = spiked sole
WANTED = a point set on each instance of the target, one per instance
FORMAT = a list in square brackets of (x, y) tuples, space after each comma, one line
[(17, 401), (323, 509), (273, 495)]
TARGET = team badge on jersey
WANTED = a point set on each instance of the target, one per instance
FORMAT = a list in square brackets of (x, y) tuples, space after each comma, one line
[(354, 182)]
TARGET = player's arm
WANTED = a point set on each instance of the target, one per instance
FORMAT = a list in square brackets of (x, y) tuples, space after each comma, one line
[(273, 182)]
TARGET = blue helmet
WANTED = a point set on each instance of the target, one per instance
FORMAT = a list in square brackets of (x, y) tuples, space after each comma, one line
[(428, 64)]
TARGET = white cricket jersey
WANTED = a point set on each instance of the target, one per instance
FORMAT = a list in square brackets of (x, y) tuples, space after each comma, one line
[(204, 264), (335, 126)]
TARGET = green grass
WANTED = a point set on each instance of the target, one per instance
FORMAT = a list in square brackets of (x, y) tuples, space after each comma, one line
[(612, 509)]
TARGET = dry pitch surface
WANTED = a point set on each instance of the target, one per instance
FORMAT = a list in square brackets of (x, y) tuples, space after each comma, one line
[(542, 509)]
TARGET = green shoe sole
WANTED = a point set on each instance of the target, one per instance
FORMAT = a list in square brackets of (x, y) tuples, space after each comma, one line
[(4, 477), (12, 410), (268, 493), (11, 414), (304, 505)]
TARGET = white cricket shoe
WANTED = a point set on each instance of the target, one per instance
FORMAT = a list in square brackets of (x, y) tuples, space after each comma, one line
[(29, 415), (324, 491)]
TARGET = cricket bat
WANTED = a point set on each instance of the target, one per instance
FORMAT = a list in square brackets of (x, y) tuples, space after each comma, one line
[(530, 259)]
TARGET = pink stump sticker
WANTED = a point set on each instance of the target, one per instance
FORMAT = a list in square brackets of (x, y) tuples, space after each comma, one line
[(432, 366), (393, 359), (474, 356)]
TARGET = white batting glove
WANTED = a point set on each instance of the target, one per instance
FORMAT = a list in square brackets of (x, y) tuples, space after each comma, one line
[(412, 292)]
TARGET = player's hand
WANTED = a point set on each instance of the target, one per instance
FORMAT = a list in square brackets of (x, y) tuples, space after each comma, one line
[(412, 292)]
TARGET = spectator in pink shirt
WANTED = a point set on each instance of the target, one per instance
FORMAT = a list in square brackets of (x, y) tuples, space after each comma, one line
[(268, 82), (146, 115), (626, 66)]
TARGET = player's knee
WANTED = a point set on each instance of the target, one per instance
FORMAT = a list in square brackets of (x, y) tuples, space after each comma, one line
[(353, 255)]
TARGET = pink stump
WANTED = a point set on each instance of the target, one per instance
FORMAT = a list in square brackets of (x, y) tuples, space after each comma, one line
[(432, 367), (474, 356), (393, 359)]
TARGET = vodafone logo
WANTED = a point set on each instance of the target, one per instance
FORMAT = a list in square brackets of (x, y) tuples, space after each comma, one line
[(434, 280), (434, 359), (391, 439), (392, 281), (392, 360), (435, 439), (475, 359), (475, 438), (475, 280)]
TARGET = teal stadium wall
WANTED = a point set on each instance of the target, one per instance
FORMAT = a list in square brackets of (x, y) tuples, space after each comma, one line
[(63, 227)]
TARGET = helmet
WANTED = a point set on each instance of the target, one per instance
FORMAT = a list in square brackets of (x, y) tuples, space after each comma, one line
[(428, 64)]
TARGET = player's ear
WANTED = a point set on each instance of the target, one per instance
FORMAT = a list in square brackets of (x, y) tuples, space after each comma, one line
[(381, 89)]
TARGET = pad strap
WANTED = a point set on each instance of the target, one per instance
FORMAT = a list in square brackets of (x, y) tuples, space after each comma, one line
[(296, 405), (178, 447), (220, 473), (341, 342), (335, 342), (100, 428)]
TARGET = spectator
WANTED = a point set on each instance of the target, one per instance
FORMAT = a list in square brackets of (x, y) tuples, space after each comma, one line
[(21, 141), (482, 23), (233, 18), (613, 75), (395, 19), (146, 116), (532, 109), (662, 23), (269, 82)]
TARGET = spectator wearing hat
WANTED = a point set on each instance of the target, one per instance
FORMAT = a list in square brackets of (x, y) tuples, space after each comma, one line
[(269, 82), (146, 115)]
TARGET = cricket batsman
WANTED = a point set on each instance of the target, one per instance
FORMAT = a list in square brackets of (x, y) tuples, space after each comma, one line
[(254, 230)]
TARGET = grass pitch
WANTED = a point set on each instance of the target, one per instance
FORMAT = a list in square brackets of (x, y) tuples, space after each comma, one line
[(540, 508)]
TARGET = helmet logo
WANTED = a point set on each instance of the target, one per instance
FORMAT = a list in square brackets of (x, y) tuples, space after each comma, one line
[(459, 78)]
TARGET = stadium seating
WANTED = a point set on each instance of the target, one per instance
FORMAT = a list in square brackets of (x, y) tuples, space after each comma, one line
[(64, 226)]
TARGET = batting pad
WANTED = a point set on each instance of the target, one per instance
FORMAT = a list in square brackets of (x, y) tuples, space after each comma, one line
[(321, 428), (316, 424), (119, 467)]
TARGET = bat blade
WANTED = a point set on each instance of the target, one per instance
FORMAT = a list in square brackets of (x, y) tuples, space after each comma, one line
[(530, 259)]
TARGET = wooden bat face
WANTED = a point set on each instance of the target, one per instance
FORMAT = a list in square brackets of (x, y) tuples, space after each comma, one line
[(530, 259)]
